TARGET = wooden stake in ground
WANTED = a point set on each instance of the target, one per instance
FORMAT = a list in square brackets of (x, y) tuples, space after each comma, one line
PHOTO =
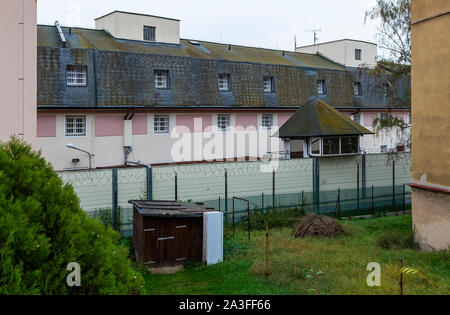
[(267, 251), (400, 276)]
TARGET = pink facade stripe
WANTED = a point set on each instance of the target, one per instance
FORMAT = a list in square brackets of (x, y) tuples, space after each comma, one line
[(193, 123), (140, 125), (46, 126), (108, 126), (369, 118), (246, 121), (282, 118)]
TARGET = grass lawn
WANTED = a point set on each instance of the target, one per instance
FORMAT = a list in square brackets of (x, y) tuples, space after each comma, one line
[(342, 260)]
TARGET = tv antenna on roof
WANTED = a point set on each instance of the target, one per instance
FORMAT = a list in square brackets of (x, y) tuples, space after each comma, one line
[(315, 31)]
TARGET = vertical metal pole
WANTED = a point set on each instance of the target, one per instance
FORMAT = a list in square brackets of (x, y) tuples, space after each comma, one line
[(316, 184), (149, 183), (176, 186), (267, 251), (273, 189), (393, 186), (219, 203), (373, 206), (114, 199), (404, 197), (262, 202), (233, 216), (357, 187), (248, 219), (303, 209), (226, 197), (364, 176)]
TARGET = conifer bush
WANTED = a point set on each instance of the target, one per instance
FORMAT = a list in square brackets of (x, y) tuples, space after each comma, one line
[(43, 229)]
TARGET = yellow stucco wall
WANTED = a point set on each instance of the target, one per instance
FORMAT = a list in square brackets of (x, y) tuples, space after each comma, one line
[(430, 91)]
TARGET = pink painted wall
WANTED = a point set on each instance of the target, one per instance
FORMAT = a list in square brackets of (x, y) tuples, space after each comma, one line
[(193, 123), (46, 126), (108, 126), (369, 118), (246, 121), (140, 125), (282, 118)]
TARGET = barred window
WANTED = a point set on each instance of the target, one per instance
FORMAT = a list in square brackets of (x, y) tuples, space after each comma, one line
[(321, 87), (268, 85), (75, 126), (267, 121), (76, 75), (161, 79), (223, 122), (161, 124), (224, 80), (149, 33)]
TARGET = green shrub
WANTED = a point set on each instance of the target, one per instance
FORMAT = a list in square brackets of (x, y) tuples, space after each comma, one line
[(43, 229)]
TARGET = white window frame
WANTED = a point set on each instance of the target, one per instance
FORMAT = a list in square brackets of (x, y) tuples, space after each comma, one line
[(74, 128), (380, 116), (358, 121), (357, 89), (161, 79), (321, 152), (385, 150), (268, 85), (223, 118), (157, 124), (224, 82), (76, 75), (267, 118), (360, 54)]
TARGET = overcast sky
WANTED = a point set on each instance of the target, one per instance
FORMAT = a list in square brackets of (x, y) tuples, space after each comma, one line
[(259, 23)]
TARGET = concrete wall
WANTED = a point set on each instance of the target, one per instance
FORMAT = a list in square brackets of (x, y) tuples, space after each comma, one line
[(431, 121), (343, 52), (18, 44), (131, 26)]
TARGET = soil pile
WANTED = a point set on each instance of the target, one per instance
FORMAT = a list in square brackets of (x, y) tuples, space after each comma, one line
[(315, 225)]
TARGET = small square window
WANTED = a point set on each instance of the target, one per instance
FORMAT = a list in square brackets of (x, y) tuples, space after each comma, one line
[(267, 121), (76, 75), (357, 54), (383, 116), (357, 88), (357, 118), (149, 33), (321, 87), (383, 149), (161, 79), (161, 124), (269, 86), (224, 82), (75, 126), (223, 122)]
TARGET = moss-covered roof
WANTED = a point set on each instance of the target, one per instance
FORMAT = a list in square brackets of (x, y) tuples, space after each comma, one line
[(101, 40), (318, 119)]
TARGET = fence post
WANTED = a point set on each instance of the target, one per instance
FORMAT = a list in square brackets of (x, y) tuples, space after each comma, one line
[(303, 204), (373, 206), (357, 186), (114, 200), (149, 183), (404, 201), (316, 184), (262, 202), (337, 203), (226, 196), (176, 186), (233, 216), (393, 186), (364, 176), (273, 190), (400, 275), (219, 203), (248, 219)]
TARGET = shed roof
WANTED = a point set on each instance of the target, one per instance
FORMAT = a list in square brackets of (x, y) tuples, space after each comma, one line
[(102, 40), (160, 208), (317, 119)]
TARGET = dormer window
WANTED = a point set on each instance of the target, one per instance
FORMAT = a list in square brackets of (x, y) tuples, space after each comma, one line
[(161, 79), (357, 88), (321, 87), (224, 82), (76, 75), (269, 86), (149, 33)]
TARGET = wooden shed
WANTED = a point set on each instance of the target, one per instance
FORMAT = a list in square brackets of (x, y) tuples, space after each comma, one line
[(168, 233)]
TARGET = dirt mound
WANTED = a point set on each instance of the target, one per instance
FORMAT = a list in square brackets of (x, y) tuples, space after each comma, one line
[(318, 226)]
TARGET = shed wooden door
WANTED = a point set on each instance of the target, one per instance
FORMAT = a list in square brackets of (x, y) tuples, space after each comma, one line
[(172, 241)]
